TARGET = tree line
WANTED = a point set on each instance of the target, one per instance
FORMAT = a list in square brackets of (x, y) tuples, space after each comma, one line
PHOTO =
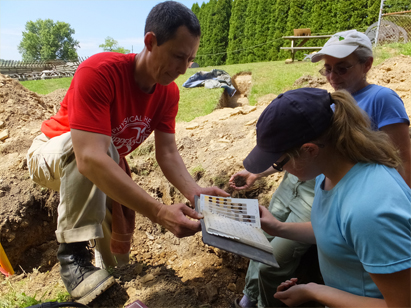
[(233, 31), (243, 31)]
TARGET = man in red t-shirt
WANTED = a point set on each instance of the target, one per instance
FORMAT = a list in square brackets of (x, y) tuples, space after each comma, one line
[(113, 104)]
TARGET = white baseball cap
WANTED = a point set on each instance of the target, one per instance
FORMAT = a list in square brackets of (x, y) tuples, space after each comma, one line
[(342, 44)]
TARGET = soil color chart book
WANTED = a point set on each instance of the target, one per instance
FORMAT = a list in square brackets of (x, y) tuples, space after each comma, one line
[(234, 218)]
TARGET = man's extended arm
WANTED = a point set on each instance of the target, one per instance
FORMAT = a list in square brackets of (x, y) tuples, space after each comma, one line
[(175, 170), (94, 163)]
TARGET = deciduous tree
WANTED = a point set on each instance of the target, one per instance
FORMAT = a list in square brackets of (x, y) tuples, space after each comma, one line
[(111, 44), (48, 40)]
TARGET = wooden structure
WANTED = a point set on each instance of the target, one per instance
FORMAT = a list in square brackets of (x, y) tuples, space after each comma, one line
[(302, 32), (34, 70), (304, 35)]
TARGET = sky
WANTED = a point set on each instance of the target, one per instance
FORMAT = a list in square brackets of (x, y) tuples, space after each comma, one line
[(92, 20)]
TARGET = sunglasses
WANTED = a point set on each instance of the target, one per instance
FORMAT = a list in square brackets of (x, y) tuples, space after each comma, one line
[(339, 70), (279, 166)]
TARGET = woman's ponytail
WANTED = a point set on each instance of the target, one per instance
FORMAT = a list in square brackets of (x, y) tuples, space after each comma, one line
[(352, 136)]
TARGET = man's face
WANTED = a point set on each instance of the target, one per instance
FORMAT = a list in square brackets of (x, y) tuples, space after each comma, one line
[(172, 58)]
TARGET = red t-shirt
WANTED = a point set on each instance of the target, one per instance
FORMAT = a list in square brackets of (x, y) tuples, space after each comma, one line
[(104, 98)]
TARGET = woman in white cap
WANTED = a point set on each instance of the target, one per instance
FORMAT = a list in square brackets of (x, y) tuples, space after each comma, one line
[(347, 58), (361, 218)]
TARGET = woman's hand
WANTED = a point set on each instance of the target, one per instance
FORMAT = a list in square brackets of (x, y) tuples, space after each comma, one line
[(292, 294), (243, 180), (269, 223)]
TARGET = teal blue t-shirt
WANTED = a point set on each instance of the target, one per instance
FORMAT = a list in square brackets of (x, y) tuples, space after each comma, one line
[(360, 228)]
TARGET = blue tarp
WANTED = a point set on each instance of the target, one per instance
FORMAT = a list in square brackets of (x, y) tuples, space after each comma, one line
[(214, 79)]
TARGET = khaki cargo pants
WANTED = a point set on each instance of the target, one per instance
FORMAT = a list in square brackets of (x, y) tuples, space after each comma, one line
[(291, 202), (84, 212)]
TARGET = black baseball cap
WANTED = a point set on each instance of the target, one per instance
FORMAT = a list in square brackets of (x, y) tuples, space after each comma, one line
[(290, 120)]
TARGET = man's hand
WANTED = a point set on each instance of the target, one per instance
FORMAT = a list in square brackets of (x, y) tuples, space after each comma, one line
[(292, 294), (173, 218), (243, 180)]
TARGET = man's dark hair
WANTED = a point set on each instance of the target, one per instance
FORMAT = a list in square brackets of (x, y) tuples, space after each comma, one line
[(165, 18)]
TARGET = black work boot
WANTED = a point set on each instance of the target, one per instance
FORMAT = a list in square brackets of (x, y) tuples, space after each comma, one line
[(83, 280)]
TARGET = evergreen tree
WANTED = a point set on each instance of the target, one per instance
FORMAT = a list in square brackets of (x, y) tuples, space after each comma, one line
[(262, 31), (204, 49), (393, 6), (373, 11), (330, 10), (278, 29), (294, 21), (316, 21), (272, 52), (220, 24), (307, 8), (195, 8), (236, 36), (250, 32), (323, 17), (295, 16), (197, 11), (306, 22), (351, 14)]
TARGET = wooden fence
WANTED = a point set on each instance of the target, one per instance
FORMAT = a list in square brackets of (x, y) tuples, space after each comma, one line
[(34, 70)]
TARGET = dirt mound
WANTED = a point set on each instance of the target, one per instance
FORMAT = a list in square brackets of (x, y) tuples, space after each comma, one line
[(242, 83), (27, 211), (395, 74), (164, 271), (310, 81)]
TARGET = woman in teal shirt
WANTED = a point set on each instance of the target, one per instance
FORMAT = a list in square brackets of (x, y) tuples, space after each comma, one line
[(361, 213)]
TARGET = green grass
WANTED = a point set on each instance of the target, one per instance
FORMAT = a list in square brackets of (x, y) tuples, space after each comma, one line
[(48, 85), (14, 298), (386, 51), (267, 77)]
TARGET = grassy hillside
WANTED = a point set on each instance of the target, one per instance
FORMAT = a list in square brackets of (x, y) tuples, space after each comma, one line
[(267, 77)]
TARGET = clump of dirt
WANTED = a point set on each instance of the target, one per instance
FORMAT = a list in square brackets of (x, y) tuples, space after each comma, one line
[(239, 181), (164, 271), (310, 81)]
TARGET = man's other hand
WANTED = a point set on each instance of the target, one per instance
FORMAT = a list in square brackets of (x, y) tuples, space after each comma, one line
[(174, 218)]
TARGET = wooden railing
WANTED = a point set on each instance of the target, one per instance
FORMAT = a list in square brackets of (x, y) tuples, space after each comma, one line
[(33, 70)]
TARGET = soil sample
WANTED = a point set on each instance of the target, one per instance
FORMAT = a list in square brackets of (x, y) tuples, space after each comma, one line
[(239, 181)]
